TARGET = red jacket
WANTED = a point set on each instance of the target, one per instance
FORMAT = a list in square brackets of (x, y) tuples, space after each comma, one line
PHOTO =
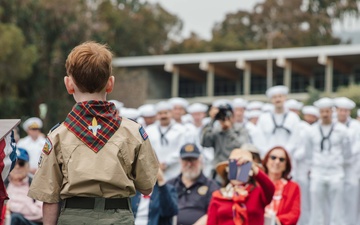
[(220, 210), (289, 208)]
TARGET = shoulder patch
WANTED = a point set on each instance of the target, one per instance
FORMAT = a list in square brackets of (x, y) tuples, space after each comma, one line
[(54, 127), (143, 133), (47, 147)]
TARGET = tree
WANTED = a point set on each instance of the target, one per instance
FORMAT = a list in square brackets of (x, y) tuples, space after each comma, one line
[(16, 60), (133, 28), (191, 44), (273, 24)]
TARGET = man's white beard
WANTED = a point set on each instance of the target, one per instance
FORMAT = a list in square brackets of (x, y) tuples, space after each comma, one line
[(192, 175)]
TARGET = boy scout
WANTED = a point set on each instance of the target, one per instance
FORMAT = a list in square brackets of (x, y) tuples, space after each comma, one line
[(94, 160)]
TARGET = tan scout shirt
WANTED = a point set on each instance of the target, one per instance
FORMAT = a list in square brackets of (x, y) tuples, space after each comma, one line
[(127, 162)]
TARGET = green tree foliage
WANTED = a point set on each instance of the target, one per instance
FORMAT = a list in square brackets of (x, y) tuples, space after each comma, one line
[(274, 24), (277, 24), (51, 28), (16, 60), (133, 28), (192, 44)]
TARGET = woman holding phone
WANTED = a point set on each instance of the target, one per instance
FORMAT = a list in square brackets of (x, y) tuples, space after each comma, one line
[(242, 199), (285, 205)]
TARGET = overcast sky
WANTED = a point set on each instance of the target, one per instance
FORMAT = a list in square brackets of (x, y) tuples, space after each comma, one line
[(201, 15)]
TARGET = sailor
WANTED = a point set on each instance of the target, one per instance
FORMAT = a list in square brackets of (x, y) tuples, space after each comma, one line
[(167, 137), (310, 114), (239, 107), (33, 142), (300, 163), (148, 115), (198, 113), (179, 106), (278, 128), (328, 148), (351, 189)]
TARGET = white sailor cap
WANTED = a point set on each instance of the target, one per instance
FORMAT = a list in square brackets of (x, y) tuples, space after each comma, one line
[(187, 118), (344, 103), (219, 102), (130, 113), (239, 103), (253, 114), (178, 102), (277, 90), (293, 104), (310, 110), (267, 107), (32, 123), (117, 104), (147, 110), (197, 107), (163, 106), (324, 103), (254, 105)]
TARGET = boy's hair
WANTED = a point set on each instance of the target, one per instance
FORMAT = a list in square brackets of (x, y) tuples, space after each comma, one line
[(89, 64)]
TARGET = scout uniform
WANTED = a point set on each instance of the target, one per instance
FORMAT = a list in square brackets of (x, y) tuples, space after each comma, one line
[(94, 161), (328, 147)]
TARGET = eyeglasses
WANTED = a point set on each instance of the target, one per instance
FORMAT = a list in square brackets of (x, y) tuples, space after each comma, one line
[(21, 163), (281, 159)]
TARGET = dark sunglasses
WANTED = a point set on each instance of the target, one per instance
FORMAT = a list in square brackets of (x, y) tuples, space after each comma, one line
[(281, 159), (21, 163)]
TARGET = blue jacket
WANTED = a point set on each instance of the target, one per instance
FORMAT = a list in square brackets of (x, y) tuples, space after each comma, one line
[(163, 205)]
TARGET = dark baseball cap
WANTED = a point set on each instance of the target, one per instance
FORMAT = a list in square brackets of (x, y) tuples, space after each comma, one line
[(189, 151)]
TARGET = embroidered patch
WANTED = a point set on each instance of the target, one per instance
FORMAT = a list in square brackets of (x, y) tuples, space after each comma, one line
[(40, 161), (143, 133), (202, 190), (189, 148), (95, 127), (47, 147)]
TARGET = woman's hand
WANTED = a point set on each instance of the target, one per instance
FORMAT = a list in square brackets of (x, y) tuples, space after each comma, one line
[(248, 158)]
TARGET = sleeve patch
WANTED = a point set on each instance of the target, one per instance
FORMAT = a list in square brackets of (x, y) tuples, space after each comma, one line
[(143, 133), (47, 147)]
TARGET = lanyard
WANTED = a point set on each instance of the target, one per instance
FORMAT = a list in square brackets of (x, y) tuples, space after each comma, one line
[(324, 138), (163, 139), (281, 126)]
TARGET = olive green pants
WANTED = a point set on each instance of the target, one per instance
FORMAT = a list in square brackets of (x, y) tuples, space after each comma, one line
[(96, 216)]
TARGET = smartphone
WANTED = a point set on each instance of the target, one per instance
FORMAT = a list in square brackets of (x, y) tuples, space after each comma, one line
[(233, 168), (240, 173), (243, 174)]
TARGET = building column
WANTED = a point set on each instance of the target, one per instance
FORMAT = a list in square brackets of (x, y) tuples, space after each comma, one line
[(329, 76), (352, 79), (210, 80), (175, 82), (269, 72), (247, 79), (287, 75), (312, 81)]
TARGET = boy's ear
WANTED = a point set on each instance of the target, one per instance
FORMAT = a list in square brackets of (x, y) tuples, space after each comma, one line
[(69, 84), (110, 84)]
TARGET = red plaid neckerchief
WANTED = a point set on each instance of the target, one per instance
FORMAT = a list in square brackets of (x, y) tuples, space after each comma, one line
[(93, 122)]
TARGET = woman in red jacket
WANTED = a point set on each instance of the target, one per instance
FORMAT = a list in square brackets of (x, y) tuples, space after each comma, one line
[(286, 201), (239, 203)]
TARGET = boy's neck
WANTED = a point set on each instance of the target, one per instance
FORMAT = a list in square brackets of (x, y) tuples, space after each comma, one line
[(82, 97)]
